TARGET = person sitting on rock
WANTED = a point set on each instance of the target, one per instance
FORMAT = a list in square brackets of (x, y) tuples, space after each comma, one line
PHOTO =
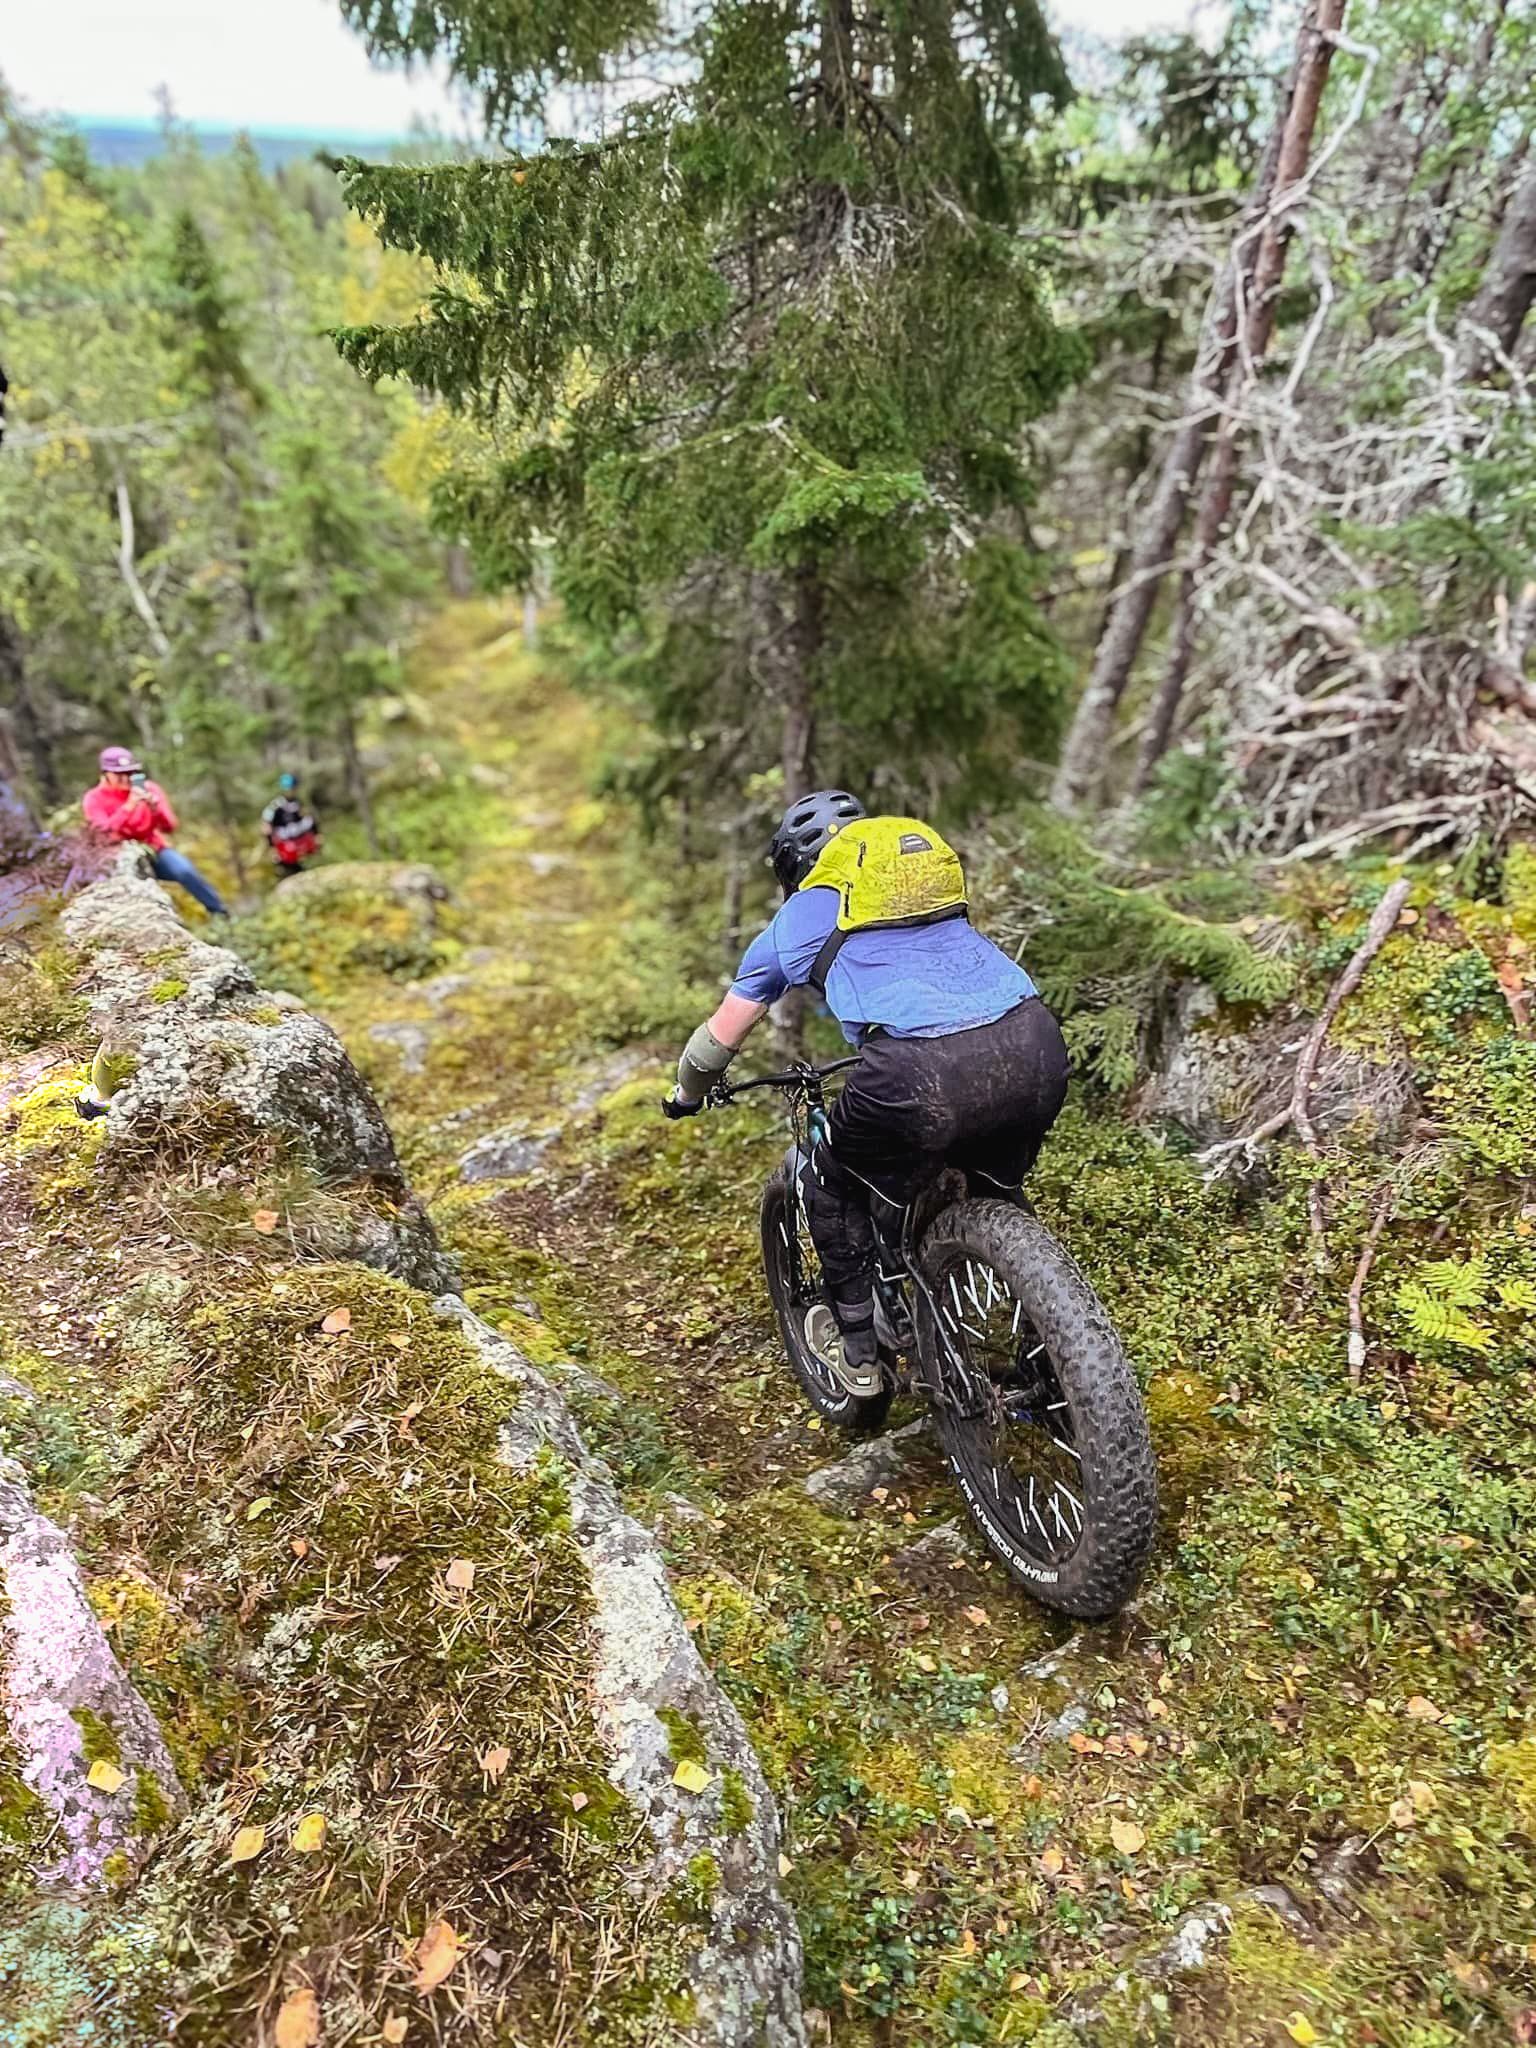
[(126, 805), (291, 831)]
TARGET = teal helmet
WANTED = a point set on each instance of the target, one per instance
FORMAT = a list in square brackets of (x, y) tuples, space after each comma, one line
[(287, 782)]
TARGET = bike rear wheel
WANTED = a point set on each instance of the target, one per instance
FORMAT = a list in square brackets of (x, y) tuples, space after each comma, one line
[(806, 1322), (1041, 1418)]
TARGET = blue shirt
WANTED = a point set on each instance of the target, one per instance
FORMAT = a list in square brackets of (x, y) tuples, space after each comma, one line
[(921, 981)]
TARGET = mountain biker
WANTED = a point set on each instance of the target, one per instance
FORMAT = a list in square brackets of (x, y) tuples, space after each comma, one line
[(961, 1063), (125, 804), (289, 827)]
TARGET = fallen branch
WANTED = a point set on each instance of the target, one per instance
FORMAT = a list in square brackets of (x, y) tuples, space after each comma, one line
[(1383, 918), (1386, 1200), (1298, 1110)]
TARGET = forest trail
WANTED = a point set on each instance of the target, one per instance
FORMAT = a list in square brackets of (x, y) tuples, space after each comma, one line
[(994, 1826)]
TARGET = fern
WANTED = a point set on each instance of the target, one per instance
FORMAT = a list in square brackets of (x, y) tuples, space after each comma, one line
[(1518, 1294), (1438, 1321), (1460, 1283)]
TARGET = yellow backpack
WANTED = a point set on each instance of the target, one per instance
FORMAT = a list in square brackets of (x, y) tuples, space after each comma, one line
[(888, 872)]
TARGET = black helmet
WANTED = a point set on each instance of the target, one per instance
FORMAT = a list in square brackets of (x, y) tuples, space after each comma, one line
[(805, 828)]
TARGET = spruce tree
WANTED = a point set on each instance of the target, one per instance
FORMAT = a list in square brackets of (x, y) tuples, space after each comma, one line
[(758, 357)]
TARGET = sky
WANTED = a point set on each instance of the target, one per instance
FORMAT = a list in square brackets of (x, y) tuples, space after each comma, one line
[(283, 64)]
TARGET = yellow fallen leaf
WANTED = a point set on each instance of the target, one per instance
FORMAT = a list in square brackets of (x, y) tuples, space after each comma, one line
[(495, 1761), (394, 2028), (785, 1865), (309, 1835), (1033, 1786), (258, 1508), (1402, 1813), (460, 1575), (104, 1776), (691, 1776), (1127, 1837), (402, 1342), (1158, 1709), (265, 1220), (924, 1662), (1298, 2026), (978, 1617), (436, 1953), (1422, 1795), (967, 1943), (1052, 1862), (881, 1493), (1421, 1709), (1018, 1980), (298, 2021), (337, 1321), (1127, 1889), (300, 1546), (248, 1843), (578, 1801), (1138, 1745)]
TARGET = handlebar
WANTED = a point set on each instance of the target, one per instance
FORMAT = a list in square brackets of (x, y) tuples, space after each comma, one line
[(792, 1078)]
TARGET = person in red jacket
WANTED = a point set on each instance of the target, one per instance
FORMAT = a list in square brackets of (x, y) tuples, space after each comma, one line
[(126, 805)]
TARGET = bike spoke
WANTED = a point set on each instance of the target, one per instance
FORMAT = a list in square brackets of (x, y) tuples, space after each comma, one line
[(1011, 1426)]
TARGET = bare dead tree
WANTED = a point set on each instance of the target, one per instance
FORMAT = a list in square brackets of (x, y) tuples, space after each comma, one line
[(1239, 301)]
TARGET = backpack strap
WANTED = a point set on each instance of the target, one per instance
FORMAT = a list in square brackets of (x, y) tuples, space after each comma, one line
[(835, 940)]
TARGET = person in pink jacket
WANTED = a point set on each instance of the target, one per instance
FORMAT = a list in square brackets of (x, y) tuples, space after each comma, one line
[(126, 805)]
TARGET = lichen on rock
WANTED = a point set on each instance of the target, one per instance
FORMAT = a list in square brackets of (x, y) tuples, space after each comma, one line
[(61, 1692)]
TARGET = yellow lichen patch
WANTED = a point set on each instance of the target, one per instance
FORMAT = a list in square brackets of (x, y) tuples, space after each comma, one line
[(46, 1132)]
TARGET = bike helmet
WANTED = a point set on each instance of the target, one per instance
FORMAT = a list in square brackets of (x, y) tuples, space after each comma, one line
[(805, 828), (287, 782)]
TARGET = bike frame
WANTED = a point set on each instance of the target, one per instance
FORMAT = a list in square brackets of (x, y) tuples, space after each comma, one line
[(943, 1375)]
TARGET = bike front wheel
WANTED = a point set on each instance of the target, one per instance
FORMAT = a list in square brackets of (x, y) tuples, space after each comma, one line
[(1037, 1409), (806, 1322)]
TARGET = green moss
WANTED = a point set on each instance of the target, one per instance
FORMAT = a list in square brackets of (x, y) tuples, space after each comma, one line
[(21, 1811), (167, 991), (151, 1808), (98, 1738), (737, 1806), (700, 1886), (41, 1001), (47, 1131), (685, 1741)]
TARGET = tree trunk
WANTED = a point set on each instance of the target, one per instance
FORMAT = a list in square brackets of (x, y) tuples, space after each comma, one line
[(1258, 331), (230, 826), (797, 741), (1491, 325), (1243, 310), (31, 733), (357, 782), (18, 827)]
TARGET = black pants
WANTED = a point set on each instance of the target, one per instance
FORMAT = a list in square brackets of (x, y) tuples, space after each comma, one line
[(980, 1100)]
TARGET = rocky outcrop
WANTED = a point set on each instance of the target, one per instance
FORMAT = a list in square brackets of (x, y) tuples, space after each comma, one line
[(1208, 1080), (85, 1745), (705, 1857), (648, 1683), (202, 1039)]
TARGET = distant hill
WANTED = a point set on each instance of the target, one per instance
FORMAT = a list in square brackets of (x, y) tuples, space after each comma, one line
[(135, 142)]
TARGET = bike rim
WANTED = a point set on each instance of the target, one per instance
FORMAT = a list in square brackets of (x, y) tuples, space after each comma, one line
[(1010, 1436), (805, 1309)]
